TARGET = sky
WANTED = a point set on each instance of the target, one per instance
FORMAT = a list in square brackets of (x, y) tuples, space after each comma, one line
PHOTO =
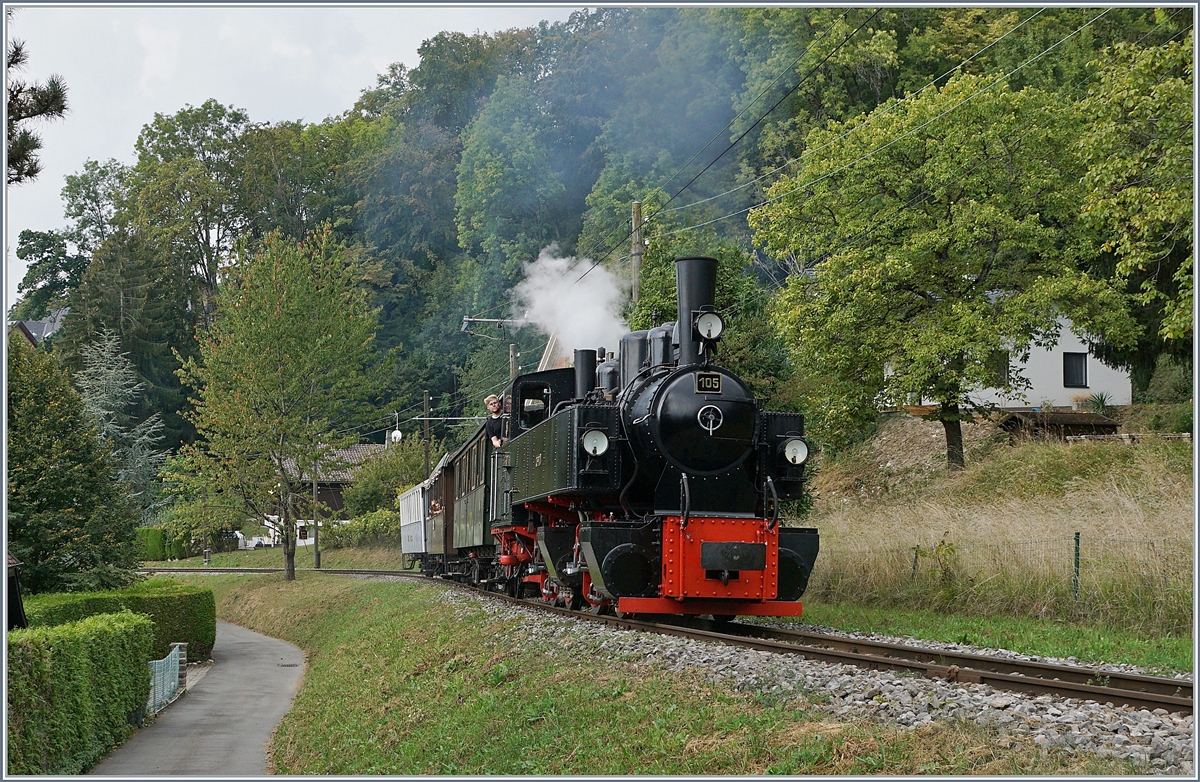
[(121, 65)]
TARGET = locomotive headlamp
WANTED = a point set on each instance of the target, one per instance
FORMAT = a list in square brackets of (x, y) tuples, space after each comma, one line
[(709, 325), (795, 451), (595, 442)]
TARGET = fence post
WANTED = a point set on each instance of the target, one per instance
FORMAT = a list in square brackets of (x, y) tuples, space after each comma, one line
[(916, 553), (182, 664), (1075, 579)]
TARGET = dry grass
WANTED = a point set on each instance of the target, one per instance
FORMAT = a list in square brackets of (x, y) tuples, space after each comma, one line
[(999, 537)]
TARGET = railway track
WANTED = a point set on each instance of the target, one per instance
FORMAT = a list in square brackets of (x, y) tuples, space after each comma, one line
[(1034, 678)]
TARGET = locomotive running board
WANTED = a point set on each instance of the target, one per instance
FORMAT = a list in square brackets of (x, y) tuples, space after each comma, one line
[(665, 605)]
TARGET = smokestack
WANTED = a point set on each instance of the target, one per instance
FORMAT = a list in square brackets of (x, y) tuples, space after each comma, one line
[(585, 372), (695, 287)]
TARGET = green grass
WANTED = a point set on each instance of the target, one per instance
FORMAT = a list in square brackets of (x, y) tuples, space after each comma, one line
[(400, 682), (1044, 637), (369, 558)]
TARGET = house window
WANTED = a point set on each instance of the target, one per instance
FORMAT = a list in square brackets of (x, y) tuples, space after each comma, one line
[(1075, 370), (997, 367)]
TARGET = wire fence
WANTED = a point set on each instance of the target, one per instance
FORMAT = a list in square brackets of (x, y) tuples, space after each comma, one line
[(164, 681), (1137, 582)]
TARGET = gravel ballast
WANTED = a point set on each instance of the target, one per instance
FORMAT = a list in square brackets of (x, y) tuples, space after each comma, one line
[(1163, 742)]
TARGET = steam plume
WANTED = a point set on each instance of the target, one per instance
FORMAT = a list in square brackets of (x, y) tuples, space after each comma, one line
[(582, 313)]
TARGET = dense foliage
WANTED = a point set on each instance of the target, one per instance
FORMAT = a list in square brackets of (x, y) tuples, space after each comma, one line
[(69, 521), (182, 613), (380, 480), (71, 690), (289, 352), (445, 178)]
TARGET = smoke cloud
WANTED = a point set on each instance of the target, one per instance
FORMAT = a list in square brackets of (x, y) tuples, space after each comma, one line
[(582, 313)]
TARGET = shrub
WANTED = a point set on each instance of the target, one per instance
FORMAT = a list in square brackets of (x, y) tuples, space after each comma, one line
[(378, 528), (72, 690), (181, 612), (153, 546), (380, 479), (181, 548)]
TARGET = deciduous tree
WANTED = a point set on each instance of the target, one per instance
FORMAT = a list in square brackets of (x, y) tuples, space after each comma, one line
[(931, 235), (1140, 172), (288, 356)]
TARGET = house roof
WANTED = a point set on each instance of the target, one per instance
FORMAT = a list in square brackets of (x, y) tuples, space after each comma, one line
[(350, 459), (38, 330), (13, 561)]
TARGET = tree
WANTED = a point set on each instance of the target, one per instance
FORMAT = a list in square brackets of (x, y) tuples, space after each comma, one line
[(28, 101), (380, 480), (930, 236), (185, 190), (133, 289), (54, 271), (68, 520), (288, 356), (1139, 180), (109, 387)]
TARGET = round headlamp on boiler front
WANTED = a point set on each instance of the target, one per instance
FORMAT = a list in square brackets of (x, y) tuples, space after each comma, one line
[(594, 442), (795, 451), (709, 325)]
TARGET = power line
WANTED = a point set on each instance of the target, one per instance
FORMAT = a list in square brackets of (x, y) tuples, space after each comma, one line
[(789, 69), (895, 140), (734, 143)]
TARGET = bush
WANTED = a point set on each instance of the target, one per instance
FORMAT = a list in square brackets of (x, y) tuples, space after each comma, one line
[(378, 528), (151, 541), (380, 479), (181, 613), (181, 548), (72, 690)]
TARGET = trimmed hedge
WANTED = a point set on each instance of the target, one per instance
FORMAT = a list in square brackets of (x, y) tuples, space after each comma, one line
[(153, 544), (73, 689), (181, 612)]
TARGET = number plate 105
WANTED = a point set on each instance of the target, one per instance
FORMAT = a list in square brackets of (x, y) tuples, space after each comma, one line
[(708, 382)]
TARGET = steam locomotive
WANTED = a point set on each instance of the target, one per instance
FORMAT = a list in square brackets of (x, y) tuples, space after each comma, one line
[(646, 482)]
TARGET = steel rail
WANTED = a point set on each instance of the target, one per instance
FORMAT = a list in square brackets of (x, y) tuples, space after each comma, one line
[(1118, 689), (977, 662)]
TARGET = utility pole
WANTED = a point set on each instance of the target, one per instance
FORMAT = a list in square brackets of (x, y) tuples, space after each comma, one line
[(637, 251), (512, 362), (426, 433), (316, 527)]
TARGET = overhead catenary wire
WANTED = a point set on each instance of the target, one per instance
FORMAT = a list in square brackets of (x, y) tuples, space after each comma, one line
[(899, 138), (735, 142), (888, 110), (789, 69)]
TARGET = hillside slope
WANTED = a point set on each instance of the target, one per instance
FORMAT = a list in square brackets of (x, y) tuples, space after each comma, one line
[(1000, 537)]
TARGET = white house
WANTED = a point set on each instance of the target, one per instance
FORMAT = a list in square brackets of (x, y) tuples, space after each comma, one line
[(1062, 375)]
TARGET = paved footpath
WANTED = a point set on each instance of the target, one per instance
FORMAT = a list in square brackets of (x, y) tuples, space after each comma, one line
[(222, 726)]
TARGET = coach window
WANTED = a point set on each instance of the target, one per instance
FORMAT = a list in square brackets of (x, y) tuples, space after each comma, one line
[(1075, 370)]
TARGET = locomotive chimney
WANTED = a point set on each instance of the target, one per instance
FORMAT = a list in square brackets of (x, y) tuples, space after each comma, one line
[(695, 287), (585, 372)]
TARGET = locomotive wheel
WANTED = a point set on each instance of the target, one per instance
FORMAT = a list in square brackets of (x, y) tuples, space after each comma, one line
[(576, 600)]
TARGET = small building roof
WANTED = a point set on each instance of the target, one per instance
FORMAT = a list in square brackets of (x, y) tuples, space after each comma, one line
[(350, 459)]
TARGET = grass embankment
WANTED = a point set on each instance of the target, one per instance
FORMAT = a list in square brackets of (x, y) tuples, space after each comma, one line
[(400, 682), (365, 558), (998, 539)]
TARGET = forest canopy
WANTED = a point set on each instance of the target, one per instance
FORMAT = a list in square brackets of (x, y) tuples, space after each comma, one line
[(789, 142)]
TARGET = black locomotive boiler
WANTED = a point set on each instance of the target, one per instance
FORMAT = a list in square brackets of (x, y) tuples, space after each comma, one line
[(646, 483)]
